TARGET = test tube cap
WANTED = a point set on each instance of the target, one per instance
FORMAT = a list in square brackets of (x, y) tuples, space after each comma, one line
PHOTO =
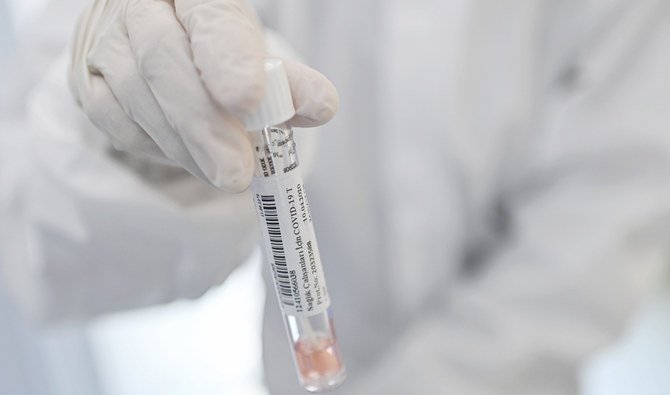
[(277, 104)]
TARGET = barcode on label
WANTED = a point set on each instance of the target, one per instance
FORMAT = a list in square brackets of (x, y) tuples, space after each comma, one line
[(269, 207)]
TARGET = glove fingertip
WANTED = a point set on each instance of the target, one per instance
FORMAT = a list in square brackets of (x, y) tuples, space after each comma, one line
[(226, 162), (315, 98), (237, 175)]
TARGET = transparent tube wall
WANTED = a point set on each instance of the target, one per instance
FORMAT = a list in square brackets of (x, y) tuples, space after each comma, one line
[(311, 334)]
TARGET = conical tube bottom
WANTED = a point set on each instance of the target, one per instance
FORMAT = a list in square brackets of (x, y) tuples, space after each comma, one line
[(319, 363)]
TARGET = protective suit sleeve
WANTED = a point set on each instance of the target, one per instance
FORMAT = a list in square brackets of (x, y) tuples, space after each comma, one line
[(88, 230), (584, 258), (588, 243)]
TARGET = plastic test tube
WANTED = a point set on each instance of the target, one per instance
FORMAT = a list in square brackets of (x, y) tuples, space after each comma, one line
[(288, 236)]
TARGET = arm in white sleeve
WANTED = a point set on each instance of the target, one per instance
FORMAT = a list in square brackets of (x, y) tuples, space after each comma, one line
[(587, 250), (583, 258), (89, 230)]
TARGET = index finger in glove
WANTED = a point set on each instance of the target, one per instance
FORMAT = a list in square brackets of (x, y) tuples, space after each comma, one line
[(215, 138), (227, 44)]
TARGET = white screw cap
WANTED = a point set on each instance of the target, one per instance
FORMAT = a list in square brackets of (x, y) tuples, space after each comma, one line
[(277, 104)]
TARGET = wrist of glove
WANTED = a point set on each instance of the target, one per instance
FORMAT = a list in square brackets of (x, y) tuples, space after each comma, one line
[(171, 80)]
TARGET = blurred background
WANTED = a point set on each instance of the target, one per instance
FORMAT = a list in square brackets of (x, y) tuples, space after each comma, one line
[(211, 345)]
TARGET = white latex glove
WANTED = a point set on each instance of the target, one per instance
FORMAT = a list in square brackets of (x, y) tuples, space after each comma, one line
[(172, 79)]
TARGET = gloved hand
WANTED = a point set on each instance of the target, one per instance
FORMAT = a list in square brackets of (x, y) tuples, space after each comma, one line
[(172, 79)]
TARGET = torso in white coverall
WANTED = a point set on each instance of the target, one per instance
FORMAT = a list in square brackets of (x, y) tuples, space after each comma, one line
[(477, 194)]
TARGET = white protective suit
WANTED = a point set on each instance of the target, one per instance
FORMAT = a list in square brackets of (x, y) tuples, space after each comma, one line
[(492, 201)]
